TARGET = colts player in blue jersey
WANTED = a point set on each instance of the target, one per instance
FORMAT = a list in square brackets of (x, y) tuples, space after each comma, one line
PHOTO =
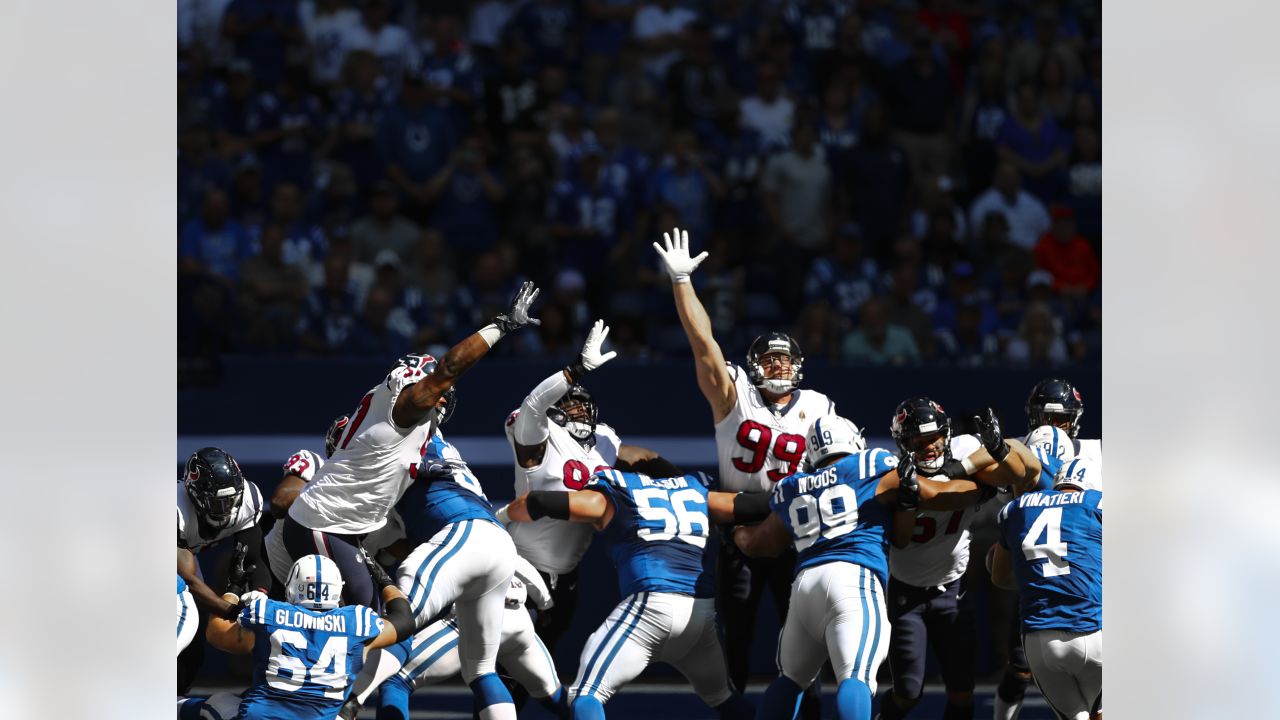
[(1050, 549), (188, 616), (657, 528), (838, 517), (462, 557), (307, 651)]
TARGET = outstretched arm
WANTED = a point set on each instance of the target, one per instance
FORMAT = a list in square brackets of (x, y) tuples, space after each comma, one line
[(768, 539), (202, 593), (713, 376), (418, 400), (906, 491), (633, 458), (227, 634), (580, 506), (725, 507)]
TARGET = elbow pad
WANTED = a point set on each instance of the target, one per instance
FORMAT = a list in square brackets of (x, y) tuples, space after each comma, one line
[(750, 507), (548, 503), (401, 618)]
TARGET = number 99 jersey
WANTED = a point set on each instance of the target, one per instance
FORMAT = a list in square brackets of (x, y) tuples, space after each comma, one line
[(833, 514), (556, 546), (658, 532), (757, 446)]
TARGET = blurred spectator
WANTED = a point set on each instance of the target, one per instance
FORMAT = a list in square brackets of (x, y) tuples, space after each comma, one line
[(198, 91), (1039, 341), (425, 296), (550, 29), (920, 101), (838, 129), (1068, 256), (814, 26), (877, 342), (414, 140), (380, 330), (608, 27), (330, 310), (983, 115), (937, 197), (263, 32), (332, 29), (248, 199), (684, 183), (305, 244), (283, 126), (356, 116), (696, 84), (384, 228), (1034, 143), (1084, 113), (964, 290), (509, 92), (910, 306), (390, 43), (769, 111), (734, 25), (529, 189), (796, 193), (232, 110), (1027, 55), (211, 244), (488, 292), (465, 199), (622, 165), (568, 293), (200, 26), (658, 27), (817, 331), (1055, 93), (453, 79), (271, 293), (1026, 215), (1084, 186), (845, 278), (879, 179), (588, 216), (635, 94), (738, 156), (967, 343), (199, 169)]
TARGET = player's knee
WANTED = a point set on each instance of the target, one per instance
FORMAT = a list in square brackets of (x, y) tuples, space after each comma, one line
[(587, 707)]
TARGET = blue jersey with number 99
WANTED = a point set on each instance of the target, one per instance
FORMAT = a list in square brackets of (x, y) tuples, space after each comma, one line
[(833, 514), (659, 531)]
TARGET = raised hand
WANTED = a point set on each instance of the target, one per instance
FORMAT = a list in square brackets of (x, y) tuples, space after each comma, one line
[(517, 316), (988, 430), (591, 358), (908, 485), (676, 255)]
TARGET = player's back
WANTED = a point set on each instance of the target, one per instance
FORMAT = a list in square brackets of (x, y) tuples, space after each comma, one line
[(757, 446), (356, 488), (431, 504), (558, 545), (833, 515), (659, 531), (307, 658), (939, 548), (1055, 541)]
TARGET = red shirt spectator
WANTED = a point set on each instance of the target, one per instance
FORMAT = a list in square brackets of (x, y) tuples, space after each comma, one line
[(1067, 255)]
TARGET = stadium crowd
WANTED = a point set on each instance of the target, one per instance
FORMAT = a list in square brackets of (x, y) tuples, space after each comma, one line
[(896, 182)]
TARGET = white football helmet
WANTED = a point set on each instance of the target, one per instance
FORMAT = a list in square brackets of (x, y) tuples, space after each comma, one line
[(830, 435), (1054, 441), (1080, 473), (315, 583)]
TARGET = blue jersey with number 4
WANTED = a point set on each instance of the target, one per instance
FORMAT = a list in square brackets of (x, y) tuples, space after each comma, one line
[(659, 531), (833, 514), (1055, 540), (429, 505), (304, 660)]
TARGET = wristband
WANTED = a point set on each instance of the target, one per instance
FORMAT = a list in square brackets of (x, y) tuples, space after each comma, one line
[(491, 334), (502, 515), (1003, 452), (576, 370), (679, 278), (969, 467)]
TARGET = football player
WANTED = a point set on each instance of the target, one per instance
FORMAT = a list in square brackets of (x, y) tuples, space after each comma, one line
[(308, 650), (1058, 403), (215, 502), (658, 529), (761, 417), (388, 432), (188, 616), (431, 655), (838, 517), (558, 444), (927, 599), (1050, 549)]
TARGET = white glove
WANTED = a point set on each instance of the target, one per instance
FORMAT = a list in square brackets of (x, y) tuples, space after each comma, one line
[(533, 583), (676, 256), (249, 597), (590, 358)]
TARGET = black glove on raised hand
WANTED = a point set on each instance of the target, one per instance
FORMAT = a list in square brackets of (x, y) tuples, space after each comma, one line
[(988, 429), (517, 316), (908, 485), (240, 575)]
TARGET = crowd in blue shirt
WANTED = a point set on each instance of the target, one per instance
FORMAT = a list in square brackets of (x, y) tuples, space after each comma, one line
[(891, 181)]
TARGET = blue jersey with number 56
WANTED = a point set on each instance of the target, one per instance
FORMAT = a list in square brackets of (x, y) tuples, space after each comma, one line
[(833, 514), (1055, 540), (658, 532), (304, 660)]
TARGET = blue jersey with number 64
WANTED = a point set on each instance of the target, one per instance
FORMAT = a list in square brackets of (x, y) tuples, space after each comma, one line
[(833, 514), (1055, 540), (659, 531), (304, 660)]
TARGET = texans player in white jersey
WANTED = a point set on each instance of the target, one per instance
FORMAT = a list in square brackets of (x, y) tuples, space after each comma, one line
[(838, 516), (1052, 403), (299, 469), (928, 603), (1050, 549), (308, 650), (658, 529), (431, 656), (215, 502), (352, 494), (761, 417), (558, 444)]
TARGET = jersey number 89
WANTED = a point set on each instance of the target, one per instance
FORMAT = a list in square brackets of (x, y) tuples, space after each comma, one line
[(834, 511)]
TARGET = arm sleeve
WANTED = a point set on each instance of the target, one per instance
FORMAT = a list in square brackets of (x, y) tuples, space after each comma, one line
[(548, 503), (400, 615), (750, 507), (531, 424)]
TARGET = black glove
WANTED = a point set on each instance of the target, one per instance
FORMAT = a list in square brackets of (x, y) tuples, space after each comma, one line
[(908, 485), (239, 576), (380, 577), (439, 470), (988, 429), (517, 315)]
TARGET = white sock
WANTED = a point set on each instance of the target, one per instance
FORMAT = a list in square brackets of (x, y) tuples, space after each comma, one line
[(499, 711), (1007, 710)]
